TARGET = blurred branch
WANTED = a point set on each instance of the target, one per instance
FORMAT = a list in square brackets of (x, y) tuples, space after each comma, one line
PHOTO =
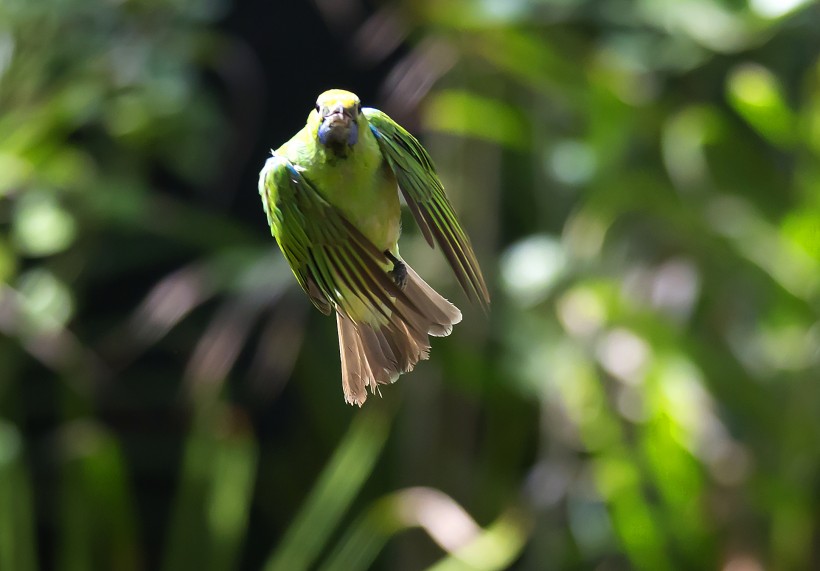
[(412, 78), (220, 345), (380, 35), (341, 16), (166, 304), (278, 347)]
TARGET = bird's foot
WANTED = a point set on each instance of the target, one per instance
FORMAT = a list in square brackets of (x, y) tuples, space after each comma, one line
[(399, 271)]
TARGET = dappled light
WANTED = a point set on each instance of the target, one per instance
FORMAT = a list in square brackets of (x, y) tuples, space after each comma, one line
[(640, 184)]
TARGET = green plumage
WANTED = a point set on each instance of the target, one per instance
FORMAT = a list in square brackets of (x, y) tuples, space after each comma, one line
[(330, 196)]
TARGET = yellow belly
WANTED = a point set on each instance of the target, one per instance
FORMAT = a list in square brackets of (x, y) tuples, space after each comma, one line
[(377, 215), (371, 203), (379, 221)]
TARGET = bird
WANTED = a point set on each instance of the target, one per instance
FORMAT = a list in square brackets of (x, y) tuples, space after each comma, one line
[(331, 198)]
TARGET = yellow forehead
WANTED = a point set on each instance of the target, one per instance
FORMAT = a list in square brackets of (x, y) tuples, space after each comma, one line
[(334, 97)]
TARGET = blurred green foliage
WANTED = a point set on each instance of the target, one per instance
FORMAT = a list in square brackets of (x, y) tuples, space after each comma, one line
[(641, 182)]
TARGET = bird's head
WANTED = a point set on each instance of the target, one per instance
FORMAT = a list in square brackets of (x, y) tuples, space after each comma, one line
[(337, 115)]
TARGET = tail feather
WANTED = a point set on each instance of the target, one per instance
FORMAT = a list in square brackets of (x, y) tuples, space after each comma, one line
[(440, 313), (374, 355)]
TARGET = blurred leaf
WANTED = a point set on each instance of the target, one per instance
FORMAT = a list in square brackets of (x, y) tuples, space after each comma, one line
[(759, 242), (495, 549), (210, 516), (531, 267), (469, 546), (97, 516), (8, 262), (45, 301), (640, 180), (757, 96), (527, 58), (14, 170), (468, 115), (713, 24), (41, 226), (776, 8), (803, 229), (340, 481), (18, 548)]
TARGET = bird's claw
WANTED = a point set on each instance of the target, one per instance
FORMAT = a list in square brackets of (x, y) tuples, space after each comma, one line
[(399, 271)]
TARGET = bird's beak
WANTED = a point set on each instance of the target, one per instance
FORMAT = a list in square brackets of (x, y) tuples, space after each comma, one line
[(339, 126), (338, 117)]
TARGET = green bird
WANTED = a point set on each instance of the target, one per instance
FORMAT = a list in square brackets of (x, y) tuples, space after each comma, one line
[(331, 200)]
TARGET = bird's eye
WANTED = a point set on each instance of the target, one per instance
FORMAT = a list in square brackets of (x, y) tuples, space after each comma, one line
[(358, 108), (318, 108)]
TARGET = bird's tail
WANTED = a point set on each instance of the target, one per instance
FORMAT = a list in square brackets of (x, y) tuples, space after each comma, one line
[(374, 355)]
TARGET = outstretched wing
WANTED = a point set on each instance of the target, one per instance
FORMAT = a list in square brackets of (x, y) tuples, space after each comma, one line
[(337, 266), (425, 196)]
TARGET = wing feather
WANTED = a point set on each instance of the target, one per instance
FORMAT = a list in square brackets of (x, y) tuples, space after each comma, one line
[(424, 194), (334, 263)]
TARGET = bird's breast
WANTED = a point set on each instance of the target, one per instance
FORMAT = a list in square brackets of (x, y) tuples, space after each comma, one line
[(364, 189)]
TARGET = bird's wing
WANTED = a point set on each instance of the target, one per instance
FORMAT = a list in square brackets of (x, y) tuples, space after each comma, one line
[(335, 264), (425, 196)]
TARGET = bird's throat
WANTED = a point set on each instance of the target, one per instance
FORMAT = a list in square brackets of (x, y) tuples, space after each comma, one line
[(338, 149)]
